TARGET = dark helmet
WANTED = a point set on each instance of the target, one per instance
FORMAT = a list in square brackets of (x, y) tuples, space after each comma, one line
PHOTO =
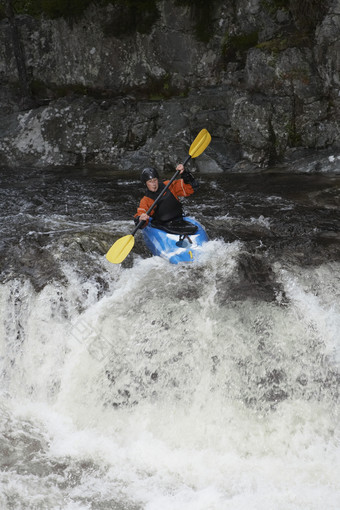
[(149, 173)]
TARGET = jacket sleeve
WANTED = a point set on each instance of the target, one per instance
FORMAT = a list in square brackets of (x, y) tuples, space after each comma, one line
[(181, 189), (143, 207)]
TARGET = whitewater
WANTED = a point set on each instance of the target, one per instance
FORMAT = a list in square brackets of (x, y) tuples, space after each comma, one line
[(149, 386)]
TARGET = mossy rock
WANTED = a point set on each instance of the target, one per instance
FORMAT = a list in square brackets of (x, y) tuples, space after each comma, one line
[(68, 9), (141, 14), (305, 13), (201, 12), (296, 40), (235, 47), (130, 17)]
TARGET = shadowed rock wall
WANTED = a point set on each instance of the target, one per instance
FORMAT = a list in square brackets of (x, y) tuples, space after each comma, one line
[(262, 84)]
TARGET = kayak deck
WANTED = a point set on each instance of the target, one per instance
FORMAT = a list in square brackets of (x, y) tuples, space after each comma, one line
[(175, 248)]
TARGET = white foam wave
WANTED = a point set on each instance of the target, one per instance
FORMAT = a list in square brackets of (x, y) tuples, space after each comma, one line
[(158, 395)]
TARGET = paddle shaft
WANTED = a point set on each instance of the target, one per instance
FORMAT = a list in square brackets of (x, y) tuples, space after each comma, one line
[(159, 197)]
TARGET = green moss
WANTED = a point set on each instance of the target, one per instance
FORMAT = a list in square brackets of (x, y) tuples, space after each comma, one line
[(64, 8), (201, 12), (160, 89), (272, 6), (296, 40), (139, 14), (154, 90), (38, 88), (131, 16), (68, 9), (234, 47), (42, 91), (294, 137), (76, 88)]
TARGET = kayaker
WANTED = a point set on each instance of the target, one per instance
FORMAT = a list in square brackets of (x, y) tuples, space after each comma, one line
[(169, 210)]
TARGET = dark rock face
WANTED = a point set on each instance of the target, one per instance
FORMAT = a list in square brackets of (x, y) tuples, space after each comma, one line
[(104, 95)]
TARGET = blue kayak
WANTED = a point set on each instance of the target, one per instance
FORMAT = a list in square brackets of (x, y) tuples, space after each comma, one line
[(179, 242)]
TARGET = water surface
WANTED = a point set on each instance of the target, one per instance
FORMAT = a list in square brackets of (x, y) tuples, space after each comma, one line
[(149, 386)]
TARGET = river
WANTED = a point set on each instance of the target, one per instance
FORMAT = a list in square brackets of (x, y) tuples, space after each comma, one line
[(149, 386)]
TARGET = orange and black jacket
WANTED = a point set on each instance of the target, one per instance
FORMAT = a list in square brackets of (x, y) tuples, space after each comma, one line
[(169, 207)]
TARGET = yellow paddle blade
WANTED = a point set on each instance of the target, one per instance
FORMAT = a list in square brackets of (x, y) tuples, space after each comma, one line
[(200, 143), (120, 249)]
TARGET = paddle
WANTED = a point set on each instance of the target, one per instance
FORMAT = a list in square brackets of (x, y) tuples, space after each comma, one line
[(121, 248)]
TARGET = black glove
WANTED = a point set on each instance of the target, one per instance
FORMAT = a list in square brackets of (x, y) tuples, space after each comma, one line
[(188, 178)]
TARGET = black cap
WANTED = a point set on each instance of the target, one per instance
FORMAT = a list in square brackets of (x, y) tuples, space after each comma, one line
[(149, 173)]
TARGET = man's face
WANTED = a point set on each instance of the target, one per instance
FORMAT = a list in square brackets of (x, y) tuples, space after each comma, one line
[(152, 184)]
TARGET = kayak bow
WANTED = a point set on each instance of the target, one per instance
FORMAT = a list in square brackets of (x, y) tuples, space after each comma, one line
[(175, 247)]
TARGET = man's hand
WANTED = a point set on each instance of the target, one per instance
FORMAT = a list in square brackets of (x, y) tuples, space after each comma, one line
[(180, 168), (144, 217)]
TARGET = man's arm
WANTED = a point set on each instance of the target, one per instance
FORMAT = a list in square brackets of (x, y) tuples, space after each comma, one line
[(144, 206)]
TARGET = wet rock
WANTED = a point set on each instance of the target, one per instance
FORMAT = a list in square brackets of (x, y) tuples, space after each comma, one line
[(327, 50), (254, 279), (121, 93), (275, 395)]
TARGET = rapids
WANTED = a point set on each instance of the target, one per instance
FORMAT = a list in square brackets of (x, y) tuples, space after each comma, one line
[(147, 386)]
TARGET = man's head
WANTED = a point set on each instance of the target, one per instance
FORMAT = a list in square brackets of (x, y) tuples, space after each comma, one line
[(150, 177)]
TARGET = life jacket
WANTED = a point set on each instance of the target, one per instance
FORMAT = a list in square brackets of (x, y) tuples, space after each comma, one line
[(168, 207)]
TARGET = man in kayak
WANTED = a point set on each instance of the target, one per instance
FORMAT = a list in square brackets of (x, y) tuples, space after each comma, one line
[(168, 213)]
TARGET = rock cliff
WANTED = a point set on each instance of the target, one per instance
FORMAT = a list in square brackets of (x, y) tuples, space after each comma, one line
[(261, 76)]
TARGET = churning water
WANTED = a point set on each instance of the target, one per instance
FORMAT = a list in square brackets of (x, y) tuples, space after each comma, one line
[(210, 386)]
